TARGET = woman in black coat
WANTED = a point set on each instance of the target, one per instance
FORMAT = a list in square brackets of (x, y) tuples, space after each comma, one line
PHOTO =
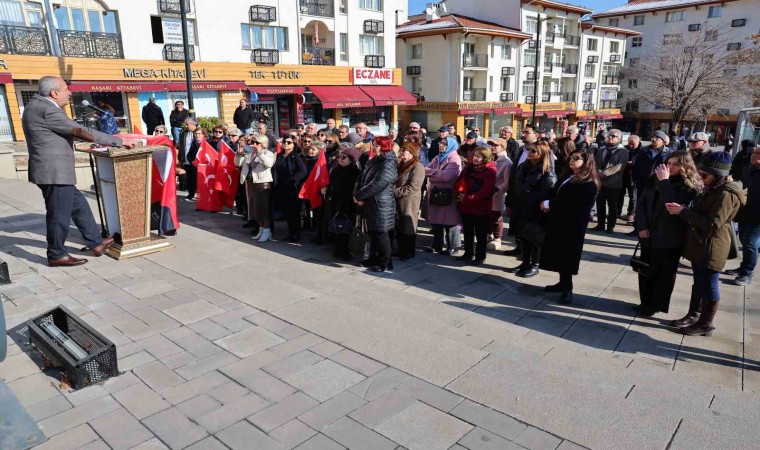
[(374, 192), (534, 180), (340, 195), (661, 235), (568, 211), (289, 172)]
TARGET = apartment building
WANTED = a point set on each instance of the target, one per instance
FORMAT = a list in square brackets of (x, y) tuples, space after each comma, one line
[(658, 19), (303, 60)]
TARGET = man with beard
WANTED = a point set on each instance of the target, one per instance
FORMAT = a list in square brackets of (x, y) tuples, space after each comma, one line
[(611, 160), (699, 146)]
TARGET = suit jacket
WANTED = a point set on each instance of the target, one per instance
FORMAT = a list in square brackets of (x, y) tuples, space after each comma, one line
[(50, 142)]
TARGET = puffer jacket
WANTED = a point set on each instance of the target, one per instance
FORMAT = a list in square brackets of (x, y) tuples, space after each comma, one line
[(708, 238), (375, 188), (478, 185)]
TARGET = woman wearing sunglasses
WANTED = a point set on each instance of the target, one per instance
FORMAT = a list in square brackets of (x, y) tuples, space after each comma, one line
[(290, 172), (340, 196), (256, 172), (708, 239), (217, 136), (567, 220)]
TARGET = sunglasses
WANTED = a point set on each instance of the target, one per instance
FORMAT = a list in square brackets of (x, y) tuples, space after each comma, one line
[(577, 158), (232, 135), (218, 132), (287, 142), (533, 151), (343, 157), (254, 142)]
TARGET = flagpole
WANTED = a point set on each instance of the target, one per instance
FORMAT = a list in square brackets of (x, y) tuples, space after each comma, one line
[(185, 49)]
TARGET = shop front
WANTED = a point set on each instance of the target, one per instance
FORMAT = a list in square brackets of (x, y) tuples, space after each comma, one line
[(278, 102), (488, 117), (6, 131), (550, 116), (591, 120)]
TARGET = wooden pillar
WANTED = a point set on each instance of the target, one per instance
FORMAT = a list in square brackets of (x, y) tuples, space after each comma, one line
[(15, 112), (135, 115), (485, 132), (338, 116)]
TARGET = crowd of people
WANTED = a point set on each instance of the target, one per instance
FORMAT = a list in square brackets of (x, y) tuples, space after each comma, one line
[(681, 202)]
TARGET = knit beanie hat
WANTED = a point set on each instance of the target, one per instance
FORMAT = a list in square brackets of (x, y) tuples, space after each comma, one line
[(716, 163), (353, 138), (351, 152)]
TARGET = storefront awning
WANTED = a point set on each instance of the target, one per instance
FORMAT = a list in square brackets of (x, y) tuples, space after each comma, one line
[(114, 86), (278, 90), (207, 86), (6, 78), (389, 95), (334, 97), (609, 116)]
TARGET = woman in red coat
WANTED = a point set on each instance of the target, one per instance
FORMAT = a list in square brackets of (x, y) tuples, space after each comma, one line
[(475, 188)]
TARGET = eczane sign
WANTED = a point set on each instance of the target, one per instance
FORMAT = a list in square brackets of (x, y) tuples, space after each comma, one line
[(364, 76)]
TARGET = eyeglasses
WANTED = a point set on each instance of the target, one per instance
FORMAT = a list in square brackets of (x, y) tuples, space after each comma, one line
[(232, 135), (287, 142), (218, 132), (577, 158), (532, 151), (254, 142)]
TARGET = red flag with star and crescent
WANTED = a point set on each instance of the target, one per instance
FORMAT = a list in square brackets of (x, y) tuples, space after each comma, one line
[(206, 161), (318, 178), (227, 176)]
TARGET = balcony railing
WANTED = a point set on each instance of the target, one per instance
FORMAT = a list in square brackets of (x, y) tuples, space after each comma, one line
[(529, 99), (548, 67), (173, 7), (506, 97), (588, 106), (86, 44), (318, 56), (24, 40), (610, 79), (318, 8), (568, 96), (262, 13), (546, 97), (374, 26), (265, 56), (570, 69), (377, 61), (474, 95), (413, 70), (475, 60), (572, 40), (175, 52), (606, 104)]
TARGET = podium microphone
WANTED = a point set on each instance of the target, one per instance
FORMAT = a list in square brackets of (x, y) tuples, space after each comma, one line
[(87, 104)]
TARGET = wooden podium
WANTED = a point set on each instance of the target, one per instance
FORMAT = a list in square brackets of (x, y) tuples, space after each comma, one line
[(124, 178)]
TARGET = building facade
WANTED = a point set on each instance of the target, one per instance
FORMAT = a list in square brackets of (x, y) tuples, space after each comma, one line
[(307, 60), (656, 20)]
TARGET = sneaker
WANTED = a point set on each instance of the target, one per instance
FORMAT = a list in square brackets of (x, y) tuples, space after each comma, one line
[(743, 280), (494, 245)]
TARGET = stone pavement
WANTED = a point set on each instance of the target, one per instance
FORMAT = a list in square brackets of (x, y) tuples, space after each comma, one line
[(225, 344)]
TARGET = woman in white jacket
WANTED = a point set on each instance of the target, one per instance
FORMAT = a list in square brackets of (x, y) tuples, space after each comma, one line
[(256, 163)]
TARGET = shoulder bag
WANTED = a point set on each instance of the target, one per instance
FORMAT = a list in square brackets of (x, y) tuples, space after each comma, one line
[(638, 264), (340, 224), (358, 241)]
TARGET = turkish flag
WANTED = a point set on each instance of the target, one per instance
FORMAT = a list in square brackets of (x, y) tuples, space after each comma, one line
[(136, 129), (318, 178), (206, 161), (227, 176)]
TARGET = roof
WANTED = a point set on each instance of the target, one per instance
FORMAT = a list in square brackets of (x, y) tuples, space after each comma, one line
[(635, 6), (559, 5), (454, 23), (593, 26)]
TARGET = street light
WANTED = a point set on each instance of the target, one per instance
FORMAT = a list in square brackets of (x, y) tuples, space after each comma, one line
[(185, 49), (535, 65)]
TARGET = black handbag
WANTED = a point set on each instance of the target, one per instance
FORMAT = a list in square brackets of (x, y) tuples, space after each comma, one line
[(441, 196), (533, 233), (733, 250), (638, 264), (340, 224), (358, 242)]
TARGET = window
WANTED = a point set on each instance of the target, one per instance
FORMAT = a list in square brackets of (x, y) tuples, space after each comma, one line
[(417, 84), (729, 72), (738, 22), (588, 96), (490, 84), (614, 22), (711, 35), (695, 27), (13, 13), (506, 84), (636, 42), (588, 70), (468, 82), (674, 38), (529, 57), (506, 51), (591, 44), (417, 51), (715, 11), (610, 70), (343, 48), (674, 16), (614, 47), (638, 21), (633, 84), (531, 25), (634, 62), (76, 19), (370, 45), (374, 5), (343, 7), (528, 86), (608, 94), (264, 37)]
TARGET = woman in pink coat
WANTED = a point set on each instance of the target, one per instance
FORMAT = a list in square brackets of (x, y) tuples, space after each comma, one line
[(442, 212)]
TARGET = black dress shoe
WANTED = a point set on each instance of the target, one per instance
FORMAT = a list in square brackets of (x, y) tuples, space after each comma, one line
[(445, 253), (368, 263), (566, 298), (554, 288), (477, 262), (598, 228), (377, 269), (66, 261), (464, 257), (514, 252), (532, 271), (609, 231), (515, 269)]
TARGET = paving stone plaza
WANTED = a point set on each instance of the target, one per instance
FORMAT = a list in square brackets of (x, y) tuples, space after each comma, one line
[(226, 344)]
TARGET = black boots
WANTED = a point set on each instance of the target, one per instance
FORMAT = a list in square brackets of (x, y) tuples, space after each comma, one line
[(566, 298), (694, 309), (704, 326), (529, 271)]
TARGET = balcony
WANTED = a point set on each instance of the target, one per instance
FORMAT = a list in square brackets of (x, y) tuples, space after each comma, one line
[(374, 26), (608, 104), (318, 56), (318, 8), (413, 70), (86, 44), (588, 106), (570, 69), (24, 40), (173, 6), (568, 96), (610, 79), (479, 60), (548, 67), (175, 52), (262, 14), (376, 61), (265, 57), (528, 99), (474, 95), (506, 97), (551, 97), (573, 41)]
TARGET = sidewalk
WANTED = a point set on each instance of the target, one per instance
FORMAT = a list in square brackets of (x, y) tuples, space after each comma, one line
[(228, 344)]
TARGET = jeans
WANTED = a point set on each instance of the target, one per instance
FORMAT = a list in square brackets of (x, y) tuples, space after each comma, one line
[(175, 134), (64, 204), (447, 232), (749, 235), (706, 283), (475, 228)]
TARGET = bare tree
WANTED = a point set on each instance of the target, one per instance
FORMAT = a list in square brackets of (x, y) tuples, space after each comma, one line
[(692, 75)]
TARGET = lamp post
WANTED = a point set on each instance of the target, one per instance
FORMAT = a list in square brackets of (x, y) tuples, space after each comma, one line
[(185, 49), (535, 66)]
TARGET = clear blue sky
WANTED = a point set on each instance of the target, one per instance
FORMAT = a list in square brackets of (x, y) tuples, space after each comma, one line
[(418, 6)]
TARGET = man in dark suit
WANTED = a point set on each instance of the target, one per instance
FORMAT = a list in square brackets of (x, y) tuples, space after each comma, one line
[(152, 115), (611, 160), (49, 137)]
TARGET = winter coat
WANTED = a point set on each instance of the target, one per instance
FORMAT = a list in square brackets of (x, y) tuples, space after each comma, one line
[(311, 162), (644, 162), (340, 191), (183, 148), (267, 120), (478, 185), (512, 148), (632, 152), (244, 117), (257, 166), (408, 193), (699, 156), (443, 175), (215, 144), (665, 230), (566, 223), (740, 162), (708, 238), (289, 172), (612, 166), (177, 118), (749, 214), (153, 116), (503, 169), (528, 188), (375, 188)]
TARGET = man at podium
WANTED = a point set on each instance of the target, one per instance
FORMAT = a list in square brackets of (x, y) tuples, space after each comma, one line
[(49, 137)]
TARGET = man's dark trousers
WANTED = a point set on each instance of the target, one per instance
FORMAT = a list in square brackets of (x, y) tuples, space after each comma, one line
[(65, 203), (608, 197)]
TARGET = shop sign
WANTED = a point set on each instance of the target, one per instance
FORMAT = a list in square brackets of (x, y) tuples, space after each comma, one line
[(146, 72), (173, 31), (117, 87), (363, 76), (275, 74), (434, 106)]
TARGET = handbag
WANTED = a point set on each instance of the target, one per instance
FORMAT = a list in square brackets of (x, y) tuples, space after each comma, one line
[(340, 224), (441, 196), (533, 233), (358, 241), (638, 264), (733, 250)]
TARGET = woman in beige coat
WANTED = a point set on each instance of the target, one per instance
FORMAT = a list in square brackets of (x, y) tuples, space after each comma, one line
[(408, 193), (256, 173)]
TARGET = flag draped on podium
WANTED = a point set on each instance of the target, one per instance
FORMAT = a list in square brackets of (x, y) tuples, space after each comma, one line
[(318, 178), (136, 129), (206, 162), (227, 177)]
